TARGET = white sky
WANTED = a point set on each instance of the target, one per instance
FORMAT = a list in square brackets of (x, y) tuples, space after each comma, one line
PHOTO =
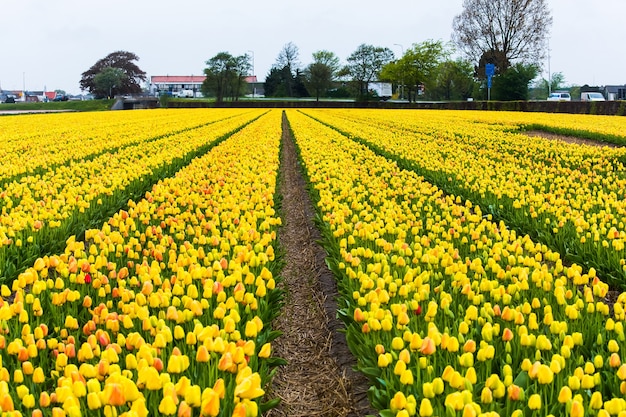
[(50, 43)]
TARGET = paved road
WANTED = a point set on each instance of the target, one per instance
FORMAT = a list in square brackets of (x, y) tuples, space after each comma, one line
[(10, 112)]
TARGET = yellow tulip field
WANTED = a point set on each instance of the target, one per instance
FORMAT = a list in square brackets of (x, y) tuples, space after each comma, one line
[(480, 270), (573, 201), (162, 309)]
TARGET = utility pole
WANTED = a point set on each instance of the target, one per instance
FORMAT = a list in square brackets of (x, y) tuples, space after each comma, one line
[(401, 73), (549, 75), (254, 83)]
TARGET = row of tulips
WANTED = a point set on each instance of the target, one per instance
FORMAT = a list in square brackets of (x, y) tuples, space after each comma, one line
[(165, 309), (607, 129), (449, 312), (50, 206), (38, 142), (569, 197)]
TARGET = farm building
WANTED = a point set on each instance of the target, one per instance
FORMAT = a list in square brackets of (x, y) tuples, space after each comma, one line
[(189, 85)]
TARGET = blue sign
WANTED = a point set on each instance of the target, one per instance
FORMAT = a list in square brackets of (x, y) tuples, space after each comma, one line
[(490, 70)]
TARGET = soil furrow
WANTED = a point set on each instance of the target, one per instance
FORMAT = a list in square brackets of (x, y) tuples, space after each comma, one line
[(318, 379)]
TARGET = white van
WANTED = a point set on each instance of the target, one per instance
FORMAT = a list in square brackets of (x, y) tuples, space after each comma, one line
[(559, 96), (591, 97)]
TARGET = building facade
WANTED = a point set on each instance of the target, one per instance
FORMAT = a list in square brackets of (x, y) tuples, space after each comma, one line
[(189, 85)]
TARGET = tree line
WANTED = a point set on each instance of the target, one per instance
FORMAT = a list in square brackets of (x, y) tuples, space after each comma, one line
[(508, 36)]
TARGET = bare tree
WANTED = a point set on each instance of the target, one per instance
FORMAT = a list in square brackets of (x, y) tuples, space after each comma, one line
[(514, 30), (288, 57)]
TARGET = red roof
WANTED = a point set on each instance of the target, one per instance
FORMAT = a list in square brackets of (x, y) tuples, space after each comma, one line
[(50, 94), (177, 79)]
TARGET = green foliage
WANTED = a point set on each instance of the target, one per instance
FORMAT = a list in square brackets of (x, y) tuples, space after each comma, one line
[(513, 83), (122, 60), (453, 81), (164, 100), (542, 86), (282, 82), (365, 65), (225, 76), (109, 80), (418, 65), (318, 79)]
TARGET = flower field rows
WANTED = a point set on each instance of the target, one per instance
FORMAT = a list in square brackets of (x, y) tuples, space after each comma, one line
[(51, 205), (571, 198), (50, 140), (149, 267), (163, 310), (447, 311)]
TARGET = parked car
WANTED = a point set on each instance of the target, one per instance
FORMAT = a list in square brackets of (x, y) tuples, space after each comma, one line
[(61, 98), (560, 96), (591, 97), (6, 98)]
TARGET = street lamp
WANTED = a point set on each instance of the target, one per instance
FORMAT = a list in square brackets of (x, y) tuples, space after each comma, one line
[(401, 73), (254, 83)]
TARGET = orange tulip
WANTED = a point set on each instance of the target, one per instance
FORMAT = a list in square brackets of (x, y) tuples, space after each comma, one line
[(210, 403), (428, 346), (114, 394)]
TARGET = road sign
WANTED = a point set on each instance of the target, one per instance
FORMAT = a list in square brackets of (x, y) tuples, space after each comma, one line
[(490, 70)]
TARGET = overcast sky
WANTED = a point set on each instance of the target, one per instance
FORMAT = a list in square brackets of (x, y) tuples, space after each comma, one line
[(50, 43)]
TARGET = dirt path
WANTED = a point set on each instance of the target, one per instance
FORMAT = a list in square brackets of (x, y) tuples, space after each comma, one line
[(570, 139), (318, 379)]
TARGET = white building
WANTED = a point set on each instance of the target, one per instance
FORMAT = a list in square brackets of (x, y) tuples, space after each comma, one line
[(189, 85)]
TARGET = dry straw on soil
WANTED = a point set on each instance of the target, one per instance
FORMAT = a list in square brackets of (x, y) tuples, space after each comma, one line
[(318, 379)]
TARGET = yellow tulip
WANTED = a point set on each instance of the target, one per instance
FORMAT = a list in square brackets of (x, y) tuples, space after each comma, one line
[(426, 409), (249, 387), (534, 402), (93, 401), (167, 406), (577, 409)]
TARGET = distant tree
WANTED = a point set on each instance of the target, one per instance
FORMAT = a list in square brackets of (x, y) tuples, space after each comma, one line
[(283, 74), (417, 66), (109, 79), (454, 80), (329, 59), (243, 67), (122, 60), (511, 31), (318, 79), (289, 57), (274, 83), (513, 83), (497, 58), (365, 64), (299, 85), (225, 76), (279, 82), (319, 75)]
